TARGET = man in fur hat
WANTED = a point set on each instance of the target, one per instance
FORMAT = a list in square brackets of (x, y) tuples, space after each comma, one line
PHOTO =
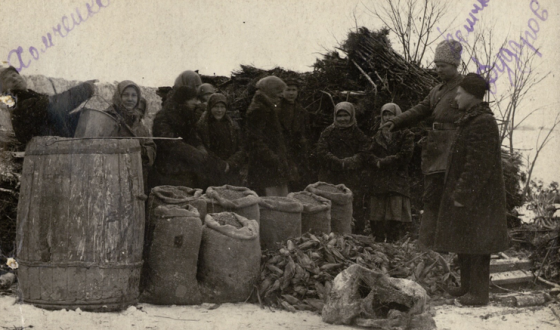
[(36, 114), (441, 108)]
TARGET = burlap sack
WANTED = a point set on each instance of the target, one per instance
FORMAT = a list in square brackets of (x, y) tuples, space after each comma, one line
[(229, 259), (180, 196), (240, 200), (280, 220), (316, 214), (341, 207), (168, 195), (173, 257)]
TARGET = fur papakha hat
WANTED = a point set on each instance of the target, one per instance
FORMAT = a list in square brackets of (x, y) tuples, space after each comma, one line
[(449, 51)]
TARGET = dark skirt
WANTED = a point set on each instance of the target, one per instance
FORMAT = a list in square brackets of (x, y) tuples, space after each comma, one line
[(390, 207)]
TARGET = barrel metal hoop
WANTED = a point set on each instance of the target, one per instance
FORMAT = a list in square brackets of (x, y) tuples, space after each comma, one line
[(82, 151)]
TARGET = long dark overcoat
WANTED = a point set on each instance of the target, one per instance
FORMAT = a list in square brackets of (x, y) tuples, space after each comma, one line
[(225, 145), (178, 162), (293, 121), (268, 165), (474, 179)]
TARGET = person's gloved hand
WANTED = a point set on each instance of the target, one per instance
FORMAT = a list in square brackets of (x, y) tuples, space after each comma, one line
[(92, 85), (388, 126)]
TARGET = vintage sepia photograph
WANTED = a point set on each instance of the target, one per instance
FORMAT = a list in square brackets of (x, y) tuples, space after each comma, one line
[(280, 164)]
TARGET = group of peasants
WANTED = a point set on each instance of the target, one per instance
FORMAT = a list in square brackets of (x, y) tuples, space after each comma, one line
[(464, 198)]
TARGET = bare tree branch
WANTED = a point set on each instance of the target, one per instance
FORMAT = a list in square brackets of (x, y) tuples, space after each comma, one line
[(412, 22), (540, 147)]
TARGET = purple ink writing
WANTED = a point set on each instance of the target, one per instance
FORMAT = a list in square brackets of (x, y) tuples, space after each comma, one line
[(513, 51), (21, 59), (471, 23)]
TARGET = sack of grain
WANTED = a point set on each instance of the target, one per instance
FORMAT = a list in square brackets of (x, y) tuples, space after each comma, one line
[(173, 256), (230, 256), (341, 207), (176, 195), (167, 195), (316, 214), (280, 220), (240, 200)]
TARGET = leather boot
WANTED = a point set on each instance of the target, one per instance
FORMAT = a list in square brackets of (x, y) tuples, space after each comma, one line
[(465, 268), (479, 290)]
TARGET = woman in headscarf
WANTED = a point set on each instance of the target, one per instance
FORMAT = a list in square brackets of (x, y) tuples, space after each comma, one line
[(268, 172), (126, 109), (181, 162), (222, 138), (340, 152), (387, 159)]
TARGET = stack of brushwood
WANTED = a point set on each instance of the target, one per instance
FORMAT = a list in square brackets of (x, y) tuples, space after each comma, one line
[(513, 177), (10, 175), (299, 275), (542, 243)]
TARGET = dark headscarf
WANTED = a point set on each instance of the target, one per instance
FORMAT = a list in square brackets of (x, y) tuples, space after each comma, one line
[(219, 131), (188, 78), (271, 85), (215, 99)]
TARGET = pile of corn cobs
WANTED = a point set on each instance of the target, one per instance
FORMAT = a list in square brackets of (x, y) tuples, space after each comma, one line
[(299, 275)]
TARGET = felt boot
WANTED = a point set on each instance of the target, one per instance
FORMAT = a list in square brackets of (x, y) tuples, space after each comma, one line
[(465, 268), (479, 290)]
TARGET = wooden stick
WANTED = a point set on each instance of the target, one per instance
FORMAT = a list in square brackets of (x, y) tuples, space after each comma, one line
[(7, 191), (330, 96), (552, 284), (366, 75)]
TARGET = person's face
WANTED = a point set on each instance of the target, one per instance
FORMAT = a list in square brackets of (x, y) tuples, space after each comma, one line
[(446, 71), (218, 111), (192, 103), (343, 117), (464, 99), (387, 115), (291, 93), (276, 95), (12, 81), (129, 98)]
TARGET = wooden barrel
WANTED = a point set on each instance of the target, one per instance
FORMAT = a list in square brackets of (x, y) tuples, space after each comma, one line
[(80, 225)]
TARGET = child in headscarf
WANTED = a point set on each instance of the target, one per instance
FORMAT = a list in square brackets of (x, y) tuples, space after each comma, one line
[(340, 152), (293, 120), (222, 138), (387, 159), (126, 109)]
